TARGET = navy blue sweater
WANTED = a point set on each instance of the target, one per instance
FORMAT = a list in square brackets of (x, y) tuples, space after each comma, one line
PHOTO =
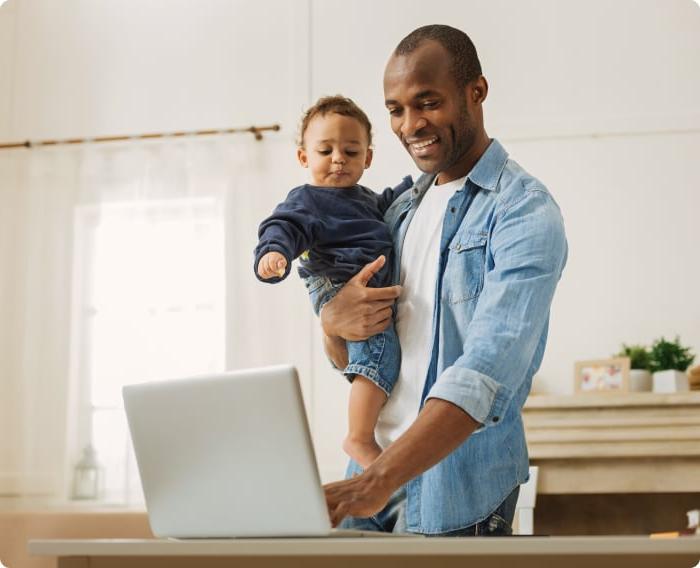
[(342, 228)]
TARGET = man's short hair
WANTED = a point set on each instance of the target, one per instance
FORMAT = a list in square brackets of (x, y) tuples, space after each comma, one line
[(465, 62), (337, 104)]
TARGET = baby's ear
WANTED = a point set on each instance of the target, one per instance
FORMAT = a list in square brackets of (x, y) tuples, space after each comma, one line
[(368, 158), (302, 157)]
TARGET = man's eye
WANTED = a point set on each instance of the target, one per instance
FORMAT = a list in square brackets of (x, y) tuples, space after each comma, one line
[(430, 104), (394, 111)]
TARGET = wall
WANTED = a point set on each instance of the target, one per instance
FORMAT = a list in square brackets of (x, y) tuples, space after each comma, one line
[(600, 100)]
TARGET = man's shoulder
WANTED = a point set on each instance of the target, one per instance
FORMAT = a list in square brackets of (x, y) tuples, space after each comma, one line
[(517, 184)]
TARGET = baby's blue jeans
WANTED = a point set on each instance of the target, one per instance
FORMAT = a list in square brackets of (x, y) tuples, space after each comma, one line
[(378, 358)]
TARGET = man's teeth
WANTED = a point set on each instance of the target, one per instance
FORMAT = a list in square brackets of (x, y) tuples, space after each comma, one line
[(424, 143)]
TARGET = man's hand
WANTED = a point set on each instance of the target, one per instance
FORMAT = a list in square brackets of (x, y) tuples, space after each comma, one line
[(440, 427), (362, 496), (358, 312), (272, 264)]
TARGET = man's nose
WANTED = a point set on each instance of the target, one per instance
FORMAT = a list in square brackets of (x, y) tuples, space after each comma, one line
[(412, 123)]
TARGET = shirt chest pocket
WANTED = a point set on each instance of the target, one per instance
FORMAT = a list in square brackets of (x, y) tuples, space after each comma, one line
[(464, 272)]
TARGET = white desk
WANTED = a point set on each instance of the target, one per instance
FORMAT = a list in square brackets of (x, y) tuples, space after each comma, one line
[(523, 552)]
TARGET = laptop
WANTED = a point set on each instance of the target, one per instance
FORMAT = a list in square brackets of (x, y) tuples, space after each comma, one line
[(228, 456)]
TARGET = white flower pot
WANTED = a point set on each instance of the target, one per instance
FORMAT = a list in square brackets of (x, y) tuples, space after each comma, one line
[(640, 380), (670, 381)]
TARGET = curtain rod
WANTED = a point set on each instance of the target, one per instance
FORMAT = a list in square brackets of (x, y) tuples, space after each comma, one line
[(255, 130)]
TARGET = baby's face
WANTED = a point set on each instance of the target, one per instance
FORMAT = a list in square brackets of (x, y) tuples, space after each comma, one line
[(336, 150)]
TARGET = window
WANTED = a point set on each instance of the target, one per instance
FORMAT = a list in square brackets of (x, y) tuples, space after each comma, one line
[(149, 304)]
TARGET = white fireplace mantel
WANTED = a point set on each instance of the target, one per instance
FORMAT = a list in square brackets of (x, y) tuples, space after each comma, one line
[(615, 442)]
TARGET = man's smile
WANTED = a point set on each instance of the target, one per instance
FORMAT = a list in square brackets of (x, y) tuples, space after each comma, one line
[(422, 147)]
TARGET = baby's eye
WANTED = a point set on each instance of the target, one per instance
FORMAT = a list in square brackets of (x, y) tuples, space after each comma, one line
[(324, 152), (351, 152)]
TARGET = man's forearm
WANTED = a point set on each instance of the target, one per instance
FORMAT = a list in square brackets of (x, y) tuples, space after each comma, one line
[(439, 428)]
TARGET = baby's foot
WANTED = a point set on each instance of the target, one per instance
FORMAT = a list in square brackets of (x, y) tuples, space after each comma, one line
[(363, 451)]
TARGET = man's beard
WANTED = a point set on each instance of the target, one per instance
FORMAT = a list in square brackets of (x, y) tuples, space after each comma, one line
[(461, 145)]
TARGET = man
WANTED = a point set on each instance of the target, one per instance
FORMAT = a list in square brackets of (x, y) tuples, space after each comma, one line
[(480, 248)]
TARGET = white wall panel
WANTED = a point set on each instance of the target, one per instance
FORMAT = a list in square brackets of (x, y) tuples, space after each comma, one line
[(100, 68), (555, 67), (630, 207)]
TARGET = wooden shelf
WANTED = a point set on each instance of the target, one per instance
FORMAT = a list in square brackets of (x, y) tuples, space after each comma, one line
[(615, 443)]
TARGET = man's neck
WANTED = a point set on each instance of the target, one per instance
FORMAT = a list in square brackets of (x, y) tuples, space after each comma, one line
[(468, 161)]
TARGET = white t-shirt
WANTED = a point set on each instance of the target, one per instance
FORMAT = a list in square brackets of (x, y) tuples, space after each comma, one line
[(414, 317)]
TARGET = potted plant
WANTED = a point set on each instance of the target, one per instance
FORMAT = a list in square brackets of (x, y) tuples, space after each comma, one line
[(668, 362), (640, 376)]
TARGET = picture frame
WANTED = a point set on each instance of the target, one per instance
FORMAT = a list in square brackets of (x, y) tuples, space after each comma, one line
[(602, 375)]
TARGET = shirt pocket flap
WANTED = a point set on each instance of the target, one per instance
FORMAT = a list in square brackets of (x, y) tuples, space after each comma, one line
[(468, 241)]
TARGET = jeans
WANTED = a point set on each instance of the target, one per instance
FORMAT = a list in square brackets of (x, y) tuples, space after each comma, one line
[(393, 519), (378, 357)]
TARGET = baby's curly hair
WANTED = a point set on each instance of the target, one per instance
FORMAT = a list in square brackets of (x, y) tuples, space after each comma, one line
[(336, 104)]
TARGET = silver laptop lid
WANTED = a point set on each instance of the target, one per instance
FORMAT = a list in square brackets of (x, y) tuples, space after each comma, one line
[(227, 455)]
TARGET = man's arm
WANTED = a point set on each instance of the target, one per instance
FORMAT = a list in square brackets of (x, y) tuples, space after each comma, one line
[(439, 429)]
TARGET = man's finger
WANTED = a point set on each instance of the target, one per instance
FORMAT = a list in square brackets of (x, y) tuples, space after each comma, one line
[(369, 270), (381, 319), (378, 327), (387, 293), (338, 514), (382, 304)]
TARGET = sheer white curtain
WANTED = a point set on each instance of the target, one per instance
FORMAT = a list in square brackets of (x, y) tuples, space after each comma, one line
[(123, 263), (37, 195)]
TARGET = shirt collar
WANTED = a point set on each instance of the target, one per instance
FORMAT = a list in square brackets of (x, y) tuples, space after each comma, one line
[(485, 173)]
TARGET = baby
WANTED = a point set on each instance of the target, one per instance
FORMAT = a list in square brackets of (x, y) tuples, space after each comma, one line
[(336, 227)]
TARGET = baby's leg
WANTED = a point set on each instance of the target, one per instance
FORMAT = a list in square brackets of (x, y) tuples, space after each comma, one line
[(366, 400)]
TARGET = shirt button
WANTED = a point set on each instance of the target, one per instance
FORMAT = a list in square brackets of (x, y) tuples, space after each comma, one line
[(495, 418), (458, 247), (452, 209)]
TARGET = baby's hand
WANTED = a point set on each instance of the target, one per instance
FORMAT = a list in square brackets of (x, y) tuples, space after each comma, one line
[(272, 264)]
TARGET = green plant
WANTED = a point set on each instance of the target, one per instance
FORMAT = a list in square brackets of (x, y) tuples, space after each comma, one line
[(666, 355), (638, 354)]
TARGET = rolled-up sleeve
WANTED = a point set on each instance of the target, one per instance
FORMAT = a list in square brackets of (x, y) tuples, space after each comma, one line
[(528, 251)]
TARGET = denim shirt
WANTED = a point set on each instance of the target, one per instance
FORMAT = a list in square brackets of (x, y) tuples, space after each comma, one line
[(502, 252)]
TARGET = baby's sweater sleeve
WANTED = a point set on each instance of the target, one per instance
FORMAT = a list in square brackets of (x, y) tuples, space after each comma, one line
[(390, 194), (289, 231)]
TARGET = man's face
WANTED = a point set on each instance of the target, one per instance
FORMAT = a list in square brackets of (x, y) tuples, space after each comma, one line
[(336, 150), (435, 120)]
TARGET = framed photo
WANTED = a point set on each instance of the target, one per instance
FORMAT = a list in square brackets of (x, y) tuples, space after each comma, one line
[(603, 375)]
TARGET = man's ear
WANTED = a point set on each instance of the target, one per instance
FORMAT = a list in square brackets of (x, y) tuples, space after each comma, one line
[(478, 90), (302, 157), (368, 158)]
